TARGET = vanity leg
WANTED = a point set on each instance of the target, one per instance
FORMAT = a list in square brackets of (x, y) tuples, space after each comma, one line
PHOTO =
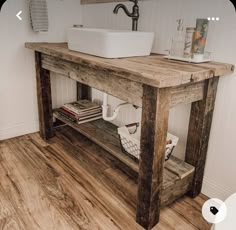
[(155, 113), (44, 99), (83, 91), (199, 132)]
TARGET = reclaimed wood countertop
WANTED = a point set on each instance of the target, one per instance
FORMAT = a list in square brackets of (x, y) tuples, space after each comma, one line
[(151, 70)]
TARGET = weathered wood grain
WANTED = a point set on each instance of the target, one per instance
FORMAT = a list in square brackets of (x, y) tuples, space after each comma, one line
[(44, 98), (215, 68), (96, 78), (179, 167), (103, 139), (105, 135), (122, 88), (186, 94), (199, 132), (177, 175), (154, 126), (70, 183), (173, 187), (155, 71)]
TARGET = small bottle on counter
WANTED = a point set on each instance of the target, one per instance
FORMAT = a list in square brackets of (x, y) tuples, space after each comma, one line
[(177, 46), (199, 38), (188, 42)]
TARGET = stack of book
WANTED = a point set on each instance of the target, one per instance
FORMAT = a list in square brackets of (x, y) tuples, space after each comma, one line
[(81, 111)]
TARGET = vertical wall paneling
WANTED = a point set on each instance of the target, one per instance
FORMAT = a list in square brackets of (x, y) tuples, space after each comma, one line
[(160, 16)]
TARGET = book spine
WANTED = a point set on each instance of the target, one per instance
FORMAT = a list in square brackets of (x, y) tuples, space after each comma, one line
[(71, 108), (67, 117), (89, 116), (69, 111), (81, 111), (88, 120), (90, 113)]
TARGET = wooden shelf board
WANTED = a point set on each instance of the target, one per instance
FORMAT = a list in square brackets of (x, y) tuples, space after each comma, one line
[(177, 173)]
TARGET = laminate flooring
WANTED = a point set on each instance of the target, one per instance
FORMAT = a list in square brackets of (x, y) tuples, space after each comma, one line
[(70, 183)]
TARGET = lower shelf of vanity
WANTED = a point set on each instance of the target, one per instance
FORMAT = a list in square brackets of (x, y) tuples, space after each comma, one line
[(177, 177)]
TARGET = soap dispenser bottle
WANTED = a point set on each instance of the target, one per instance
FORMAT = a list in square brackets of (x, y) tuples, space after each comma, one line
[(177, 46)]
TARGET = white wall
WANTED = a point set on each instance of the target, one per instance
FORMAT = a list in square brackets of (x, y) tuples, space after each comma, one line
[(18, 103), (160, 16)]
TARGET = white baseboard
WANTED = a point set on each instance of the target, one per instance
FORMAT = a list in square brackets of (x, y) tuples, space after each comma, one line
[(213, 190), (19, 130)]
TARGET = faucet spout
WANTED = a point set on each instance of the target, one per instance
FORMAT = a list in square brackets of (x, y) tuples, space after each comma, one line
[(122, 6)]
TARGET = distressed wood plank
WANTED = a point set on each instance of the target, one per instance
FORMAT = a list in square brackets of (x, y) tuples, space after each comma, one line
[(186, 94), (199, 132), (100, 137), (178, 167), (122, 89), (154, 126), (155, 71), (105, 135), (99, 79), (44, 98), (174, 191), (173, 187), (197, 70)]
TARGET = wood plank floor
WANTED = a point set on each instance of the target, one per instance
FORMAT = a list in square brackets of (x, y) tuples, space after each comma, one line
[(71, 183)]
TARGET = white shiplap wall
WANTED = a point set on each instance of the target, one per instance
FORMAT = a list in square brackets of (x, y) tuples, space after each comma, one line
[(160, 16), (18, 103)]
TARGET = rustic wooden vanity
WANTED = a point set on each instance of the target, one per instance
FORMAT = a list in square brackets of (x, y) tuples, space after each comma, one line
[(155, 84)]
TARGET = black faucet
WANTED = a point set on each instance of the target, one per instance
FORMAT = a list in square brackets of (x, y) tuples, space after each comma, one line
[(134, 15)]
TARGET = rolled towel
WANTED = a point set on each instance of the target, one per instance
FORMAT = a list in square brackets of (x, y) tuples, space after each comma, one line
[(39, 15)]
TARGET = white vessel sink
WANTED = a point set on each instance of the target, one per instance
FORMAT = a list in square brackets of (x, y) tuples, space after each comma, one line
[(110, 43)]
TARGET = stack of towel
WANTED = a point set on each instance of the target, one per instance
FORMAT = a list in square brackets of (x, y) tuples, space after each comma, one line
[(39, 15)]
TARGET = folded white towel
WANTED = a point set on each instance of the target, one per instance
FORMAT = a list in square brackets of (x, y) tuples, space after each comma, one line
[(39, 15)]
